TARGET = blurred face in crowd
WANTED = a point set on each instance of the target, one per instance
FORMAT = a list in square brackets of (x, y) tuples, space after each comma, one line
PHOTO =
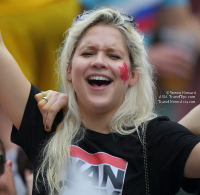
[(7, 186)]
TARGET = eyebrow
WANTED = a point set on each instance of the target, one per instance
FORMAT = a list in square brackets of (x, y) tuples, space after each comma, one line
[(87, 47), (110, 49)]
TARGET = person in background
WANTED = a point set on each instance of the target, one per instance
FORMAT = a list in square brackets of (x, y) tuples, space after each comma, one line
[(7, 186), (11, 150), (181, 109), (25, 170), (21, 166)]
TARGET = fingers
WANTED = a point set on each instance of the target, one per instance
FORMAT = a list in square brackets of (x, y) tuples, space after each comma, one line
[(57, 102), (38, 97), (42, 103), (49, 110), (55, 107), (45, 105)]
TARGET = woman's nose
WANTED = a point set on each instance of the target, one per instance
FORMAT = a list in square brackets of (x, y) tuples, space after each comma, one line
[(99, 61)]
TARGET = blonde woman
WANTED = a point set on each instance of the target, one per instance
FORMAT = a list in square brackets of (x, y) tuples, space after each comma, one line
[(110, 140)]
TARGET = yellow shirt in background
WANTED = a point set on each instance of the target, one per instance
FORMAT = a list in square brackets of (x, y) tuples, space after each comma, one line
[(33, 30)]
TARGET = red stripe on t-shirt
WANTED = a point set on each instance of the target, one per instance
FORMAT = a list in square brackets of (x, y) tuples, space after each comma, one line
[(97, 158)]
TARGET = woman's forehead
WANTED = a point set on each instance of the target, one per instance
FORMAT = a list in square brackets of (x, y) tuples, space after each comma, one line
[(103, 37)]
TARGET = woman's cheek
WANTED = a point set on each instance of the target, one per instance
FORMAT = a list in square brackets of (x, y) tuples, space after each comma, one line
[(124, 72)]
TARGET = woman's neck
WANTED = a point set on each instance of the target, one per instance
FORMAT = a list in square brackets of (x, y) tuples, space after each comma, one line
[(97, 122)]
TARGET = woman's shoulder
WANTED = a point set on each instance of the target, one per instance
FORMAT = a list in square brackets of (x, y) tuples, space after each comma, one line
[(162, 129), (162, 124)]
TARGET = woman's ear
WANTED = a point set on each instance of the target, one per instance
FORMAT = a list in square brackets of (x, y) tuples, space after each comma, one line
[(69, 74), (133, 78)]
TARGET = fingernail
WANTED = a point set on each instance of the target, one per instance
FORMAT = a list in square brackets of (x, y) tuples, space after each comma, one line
[(47, 127)]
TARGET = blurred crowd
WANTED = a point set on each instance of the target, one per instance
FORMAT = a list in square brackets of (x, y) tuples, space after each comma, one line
[(33, 30)]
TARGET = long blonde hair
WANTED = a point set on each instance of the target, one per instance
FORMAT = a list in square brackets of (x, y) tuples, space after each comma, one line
[(138, 105)]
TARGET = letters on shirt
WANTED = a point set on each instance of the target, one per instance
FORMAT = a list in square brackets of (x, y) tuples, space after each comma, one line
[(99, 174)]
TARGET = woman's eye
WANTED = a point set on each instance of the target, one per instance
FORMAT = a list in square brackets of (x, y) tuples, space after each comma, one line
[(114, 56), (87, 54)]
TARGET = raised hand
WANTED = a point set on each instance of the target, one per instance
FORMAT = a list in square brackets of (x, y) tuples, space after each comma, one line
[(171, 61)]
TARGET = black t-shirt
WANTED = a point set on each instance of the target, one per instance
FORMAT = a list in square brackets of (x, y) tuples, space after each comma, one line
[(114, 164)]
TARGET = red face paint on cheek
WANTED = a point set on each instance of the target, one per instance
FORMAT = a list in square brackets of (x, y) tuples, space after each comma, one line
[(124, 73)]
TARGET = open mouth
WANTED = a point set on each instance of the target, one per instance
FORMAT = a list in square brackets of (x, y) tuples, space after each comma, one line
[(98, 81)]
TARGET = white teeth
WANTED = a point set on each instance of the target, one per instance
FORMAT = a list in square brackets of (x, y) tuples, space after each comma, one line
[(101, 78)]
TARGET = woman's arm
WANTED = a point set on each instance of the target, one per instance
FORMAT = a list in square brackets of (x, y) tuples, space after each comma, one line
[(14, 87), (192, 120), (192, 165)]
